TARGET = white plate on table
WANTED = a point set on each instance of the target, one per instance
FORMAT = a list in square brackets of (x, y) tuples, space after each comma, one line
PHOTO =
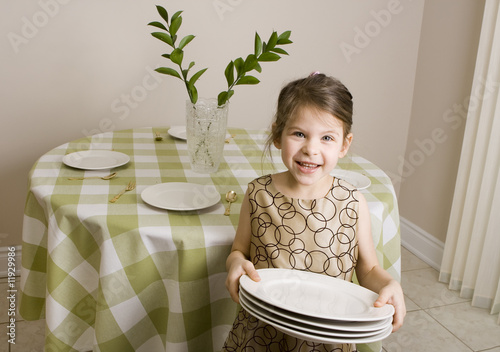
[(178, 132), (95, 159), (356, 179), (315, 337), (181, 196), (316, 295)]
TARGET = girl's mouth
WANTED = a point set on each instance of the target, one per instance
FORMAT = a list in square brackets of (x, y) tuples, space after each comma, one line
[(307, 166)]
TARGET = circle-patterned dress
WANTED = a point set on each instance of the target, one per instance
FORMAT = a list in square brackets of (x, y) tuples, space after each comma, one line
[(316, 235)]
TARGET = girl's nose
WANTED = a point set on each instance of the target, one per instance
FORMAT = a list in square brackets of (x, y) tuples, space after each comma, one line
[(310, 147)]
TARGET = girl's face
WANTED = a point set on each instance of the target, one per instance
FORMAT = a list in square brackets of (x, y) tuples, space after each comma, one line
[(311, 144)]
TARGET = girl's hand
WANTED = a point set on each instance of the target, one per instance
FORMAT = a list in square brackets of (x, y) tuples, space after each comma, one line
[(238, 268), (392, 293)]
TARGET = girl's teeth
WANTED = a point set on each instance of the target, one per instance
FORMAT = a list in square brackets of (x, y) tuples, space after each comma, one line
[(308, 165)]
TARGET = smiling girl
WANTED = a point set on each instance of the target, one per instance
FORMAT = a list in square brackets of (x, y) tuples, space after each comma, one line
[(304, 218)]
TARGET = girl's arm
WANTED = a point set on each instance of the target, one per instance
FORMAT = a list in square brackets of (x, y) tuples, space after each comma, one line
[(370, 274), (237, 263)]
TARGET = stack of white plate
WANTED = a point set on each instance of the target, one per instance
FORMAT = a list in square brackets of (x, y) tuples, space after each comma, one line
[(316, 307)]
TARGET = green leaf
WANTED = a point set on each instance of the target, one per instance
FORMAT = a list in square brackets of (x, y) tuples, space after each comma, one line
[(177, 14), (168, 71), (191, 64), (163, 13), (284, 42), (185, 41), (269, 56), (284, 38), (176, 56), (258, 68), (224, 97), (239, 63), (193, 94), (184, 73), (247, 80), (229, 73), (158, 25), (279, 51), (164, 37), (257, 45), (175, 25), (250, 63), (195, 77), (273, 40)]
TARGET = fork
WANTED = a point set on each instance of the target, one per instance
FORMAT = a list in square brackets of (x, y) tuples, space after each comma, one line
[(108, 177), (130, 187)]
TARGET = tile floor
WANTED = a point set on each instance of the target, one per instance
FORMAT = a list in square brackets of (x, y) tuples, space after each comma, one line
[(437, 319)]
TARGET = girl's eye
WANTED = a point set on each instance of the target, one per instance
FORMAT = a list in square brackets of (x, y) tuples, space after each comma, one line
[(328, 138), (299, 134)]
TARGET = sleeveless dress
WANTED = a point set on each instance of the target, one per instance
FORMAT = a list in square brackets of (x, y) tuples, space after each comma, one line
[(310, 235)]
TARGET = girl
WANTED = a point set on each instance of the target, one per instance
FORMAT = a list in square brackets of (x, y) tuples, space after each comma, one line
[(303, 218)]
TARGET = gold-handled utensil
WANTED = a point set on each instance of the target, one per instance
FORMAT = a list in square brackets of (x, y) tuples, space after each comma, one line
[(130, 187), (227, 140), (107, 177), (231, 197)]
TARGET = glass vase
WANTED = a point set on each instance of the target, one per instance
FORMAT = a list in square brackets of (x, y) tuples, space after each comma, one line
[(206, 125)]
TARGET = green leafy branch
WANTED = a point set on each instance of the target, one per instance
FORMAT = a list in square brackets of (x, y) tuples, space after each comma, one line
[(177, 54), (235, 72), (262, 52)]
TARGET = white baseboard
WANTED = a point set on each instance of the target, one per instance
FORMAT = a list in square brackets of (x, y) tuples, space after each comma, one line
[(421, 243), (4, 260)]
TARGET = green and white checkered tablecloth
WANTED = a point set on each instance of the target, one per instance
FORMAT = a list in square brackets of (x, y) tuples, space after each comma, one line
[(126, 276)]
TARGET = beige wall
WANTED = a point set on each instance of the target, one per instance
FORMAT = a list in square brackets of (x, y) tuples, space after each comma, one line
[(73, 68), (445, 68)]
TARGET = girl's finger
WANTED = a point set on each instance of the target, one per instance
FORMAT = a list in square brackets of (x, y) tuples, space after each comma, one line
[(251, 271), (383, 298)]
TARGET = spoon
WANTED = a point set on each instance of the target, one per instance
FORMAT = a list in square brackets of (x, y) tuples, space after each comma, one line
[(107, 177), (230, 197)]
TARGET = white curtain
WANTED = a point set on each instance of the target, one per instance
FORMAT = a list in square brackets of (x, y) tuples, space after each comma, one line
[(471, 260)]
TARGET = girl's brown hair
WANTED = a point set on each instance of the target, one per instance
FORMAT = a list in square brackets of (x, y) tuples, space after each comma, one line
[(317, 91)]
